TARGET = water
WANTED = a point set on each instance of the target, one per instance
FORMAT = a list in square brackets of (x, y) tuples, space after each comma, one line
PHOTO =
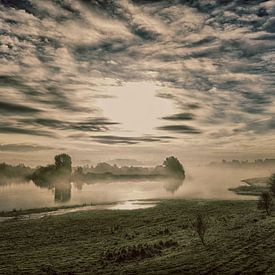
[(200, 182), (125, 205)]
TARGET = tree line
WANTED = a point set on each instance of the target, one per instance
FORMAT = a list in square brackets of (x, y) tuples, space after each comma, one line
[(62, 170)]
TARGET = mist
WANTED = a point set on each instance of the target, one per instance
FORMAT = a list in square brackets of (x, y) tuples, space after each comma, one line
[(205, 182)]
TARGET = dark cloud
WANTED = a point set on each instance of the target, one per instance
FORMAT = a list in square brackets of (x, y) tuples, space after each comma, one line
[(182, 129), (17, 82), (5, 129), (110, 139), (100, 51), (13, 108), (25, 147), (91, 125), (21, 5), (180, 116)]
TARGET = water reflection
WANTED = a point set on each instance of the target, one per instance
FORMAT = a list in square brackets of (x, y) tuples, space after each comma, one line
[(173, 185), (62, 188), (200, 182), (62, 191)]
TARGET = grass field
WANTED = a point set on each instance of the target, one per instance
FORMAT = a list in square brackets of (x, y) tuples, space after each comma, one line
[(159, 240)]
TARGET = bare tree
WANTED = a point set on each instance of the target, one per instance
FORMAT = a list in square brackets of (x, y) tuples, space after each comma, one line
[(200, 225), (265, 202)]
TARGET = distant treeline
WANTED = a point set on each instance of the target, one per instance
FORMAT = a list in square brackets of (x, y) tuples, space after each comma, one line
[(243, 163), (12, 173), (62, 170)]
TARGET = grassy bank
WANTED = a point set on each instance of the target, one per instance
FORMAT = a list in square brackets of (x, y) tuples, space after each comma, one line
[(150, 241), (20, 212), (253, 187)]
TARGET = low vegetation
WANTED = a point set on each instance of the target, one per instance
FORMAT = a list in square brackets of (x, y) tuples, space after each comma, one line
[(138, 252), (200, 226), (265, 202), (256, 186), (239, 237)]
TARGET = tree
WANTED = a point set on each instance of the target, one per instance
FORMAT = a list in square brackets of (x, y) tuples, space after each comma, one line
[(272, 185), (200, 225), (265, 202), (63, 162), (174, 167), (103, 167), (43, 176)]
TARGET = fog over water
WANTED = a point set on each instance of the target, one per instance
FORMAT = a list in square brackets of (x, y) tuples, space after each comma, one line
[(200, 182)]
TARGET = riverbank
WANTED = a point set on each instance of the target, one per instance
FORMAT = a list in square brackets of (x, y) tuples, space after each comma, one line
[(252, 187), (156, 240), (38, 213)]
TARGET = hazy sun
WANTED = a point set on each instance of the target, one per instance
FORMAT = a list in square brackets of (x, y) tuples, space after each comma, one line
[(136, 106)]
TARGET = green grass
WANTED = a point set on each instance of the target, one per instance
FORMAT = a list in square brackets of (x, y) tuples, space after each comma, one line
[(157, 240)]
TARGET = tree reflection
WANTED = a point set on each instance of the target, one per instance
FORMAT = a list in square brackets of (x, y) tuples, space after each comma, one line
[(62, 191), (172, 185)]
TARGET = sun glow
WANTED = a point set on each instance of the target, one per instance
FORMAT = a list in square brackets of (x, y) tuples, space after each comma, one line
[(136, 106)]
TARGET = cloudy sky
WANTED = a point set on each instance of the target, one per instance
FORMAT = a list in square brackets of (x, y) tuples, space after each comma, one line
[(137, 79)]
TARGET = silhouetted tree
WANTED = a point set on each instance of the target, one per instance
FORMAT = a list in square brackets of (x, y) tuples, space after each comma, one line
[(200, 225), (9, 173), (63, 162), (174, 167), (272, 184), (103, 167), (47, 176), (79, 170), (265, 202), (43, 176)]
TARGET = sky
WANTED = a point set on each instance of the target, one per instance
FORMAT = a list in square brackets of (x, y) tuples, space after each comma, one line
[(133, 79)]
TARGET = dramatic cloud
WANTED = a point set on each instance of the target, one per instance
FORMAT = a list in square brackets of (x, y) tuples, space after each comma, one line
[(70, 74)]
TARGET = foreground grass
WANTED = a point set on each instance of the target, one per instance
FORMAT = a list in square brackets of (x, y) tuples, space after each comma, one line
[(158, 240)]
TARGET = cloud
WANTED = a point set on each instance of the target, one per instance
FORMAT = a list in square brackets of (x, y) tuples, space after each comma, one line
[(213, 59), (6, 108), (182, 129), (25, 148), (109, 139), (21, 5), (91, 125), (180, 116), (5, 129)]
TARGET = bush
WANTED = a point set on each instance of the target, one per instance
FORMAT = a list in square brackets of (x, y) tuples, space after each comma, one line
[(200, 225), (141, 251), (272, 185), (265, 202)]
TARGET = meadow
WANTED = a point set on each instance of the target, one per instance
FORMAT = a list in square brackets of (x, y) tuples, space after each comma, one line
[(160, 240)]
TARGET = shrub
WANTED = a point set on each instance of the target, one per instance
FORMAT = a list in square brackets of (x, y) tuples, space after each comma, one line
[(265, 202), (200, 225)]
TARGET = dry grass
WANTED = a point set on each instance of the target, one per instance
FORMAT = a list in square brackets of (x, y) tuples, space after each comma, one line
[(159, 240)]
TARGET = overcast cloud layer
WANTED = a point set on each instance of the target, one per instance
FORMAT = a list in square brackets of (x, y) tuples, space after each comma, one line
[(214, 61)]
